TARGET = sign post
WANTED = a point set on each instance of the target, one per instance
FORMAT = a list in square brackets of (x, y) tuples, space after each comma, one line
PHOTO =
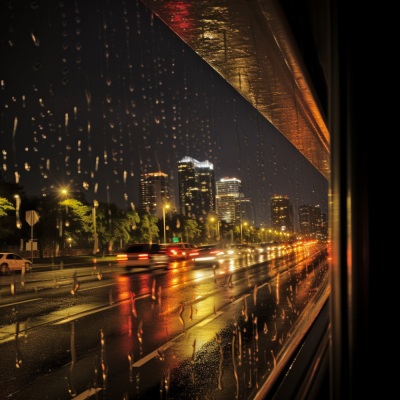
[(31, 218)]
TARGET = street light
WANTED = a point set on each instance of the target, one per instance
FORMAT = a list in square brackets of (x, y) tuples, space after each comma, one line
[(241, 230), (165, 206), (63, 193), (95, 239), (212, 220), (17, 206)]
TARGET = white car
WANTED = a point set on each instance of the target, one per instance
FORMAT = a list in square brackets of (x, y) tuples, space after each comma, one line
[(13, 262)]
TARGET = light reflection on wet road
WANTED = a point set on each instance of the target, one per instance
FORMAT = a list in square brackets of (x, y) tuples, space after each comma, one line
[(185, 331)]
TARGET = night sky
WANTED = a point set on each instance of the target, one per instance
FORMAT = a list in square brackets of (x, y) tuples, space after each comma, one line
[(94, 93)]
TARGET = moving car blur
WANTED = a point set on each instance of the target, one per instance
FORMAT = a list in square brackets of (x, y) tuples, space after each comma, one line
[(149, 255), (207, 254), (178, 251), (240, 249)]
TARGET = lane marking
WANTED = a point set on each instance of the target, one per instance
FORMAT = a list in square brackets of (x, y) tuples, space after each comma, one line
[(96, 287), (87, 393), (96, 310), (151, 355), (7, 339), (167, 345), (85, 313), (241, 298), (21, 302), (209, 319)]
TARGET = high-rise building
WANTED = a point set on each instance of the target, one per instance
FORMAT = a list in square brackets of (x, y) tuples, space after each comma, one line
[(312, 221), (153, 192), (246, 210), (281, 214), (227, 200), (309, 220), (196, 182)]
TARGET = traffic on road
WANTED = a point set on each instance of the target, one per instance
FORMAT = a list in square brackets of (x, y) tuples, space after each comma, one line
[(213, 328)]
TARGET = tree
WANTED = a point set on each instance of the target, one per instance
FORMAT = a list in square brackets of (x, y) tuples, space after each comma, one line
[(9, 232), (5, 229), (147, 229), (115, 225), (5, 206), (76, 218), (192, 231)]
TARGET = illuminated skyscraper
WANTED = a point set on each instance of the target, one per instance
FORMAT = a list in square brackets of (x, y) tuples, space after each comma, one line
[(281, 214), (196, 188), (227, 200), (153, 192), (312, 221)]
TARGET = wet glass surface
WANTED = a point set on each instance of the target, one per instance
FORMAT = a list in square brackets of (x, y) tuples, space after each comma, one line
[(94, 95)]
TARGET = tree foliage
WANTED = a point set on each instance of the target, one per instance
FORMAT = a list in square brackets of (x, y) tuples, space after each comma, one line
[(5, 206), (72, 223)]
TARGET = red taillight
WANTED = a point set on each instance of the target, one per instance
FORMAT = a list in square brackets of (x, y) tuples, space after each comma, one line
[(143, 256)]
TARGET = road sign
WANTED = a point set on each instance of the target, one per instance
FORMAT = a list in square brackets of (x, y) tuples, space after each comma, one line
[(31, 217)]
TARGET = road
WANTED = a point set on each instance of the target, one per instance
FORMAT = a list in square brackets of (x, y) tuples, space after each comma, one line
[(214, 330)]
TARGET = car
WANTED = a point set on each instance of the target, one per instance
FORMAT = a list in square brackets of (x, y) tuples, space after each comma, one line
[(148, 255), (13, 262), (240, 249), (207, 254), (178, 251)]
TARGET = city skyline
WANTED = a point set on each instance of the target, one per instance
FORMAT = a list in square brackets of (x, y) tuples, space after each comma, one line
[(231, 204), (95, 96)]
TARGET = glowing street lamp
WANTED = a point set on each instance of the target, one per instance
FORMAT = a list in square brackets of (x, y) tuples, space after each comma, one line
[(17, 207), (95, 238), (63, 193), (241, 231), (165, 206), (218, 229), (212, 220)]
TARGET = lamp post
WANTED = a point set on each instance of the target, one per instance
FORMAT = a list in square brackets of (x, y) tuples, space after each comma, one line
[(63, 192), (241, 222), (210, 228), (17, 207), (241, 230), (165, 206), (217, 222), (95, 239)]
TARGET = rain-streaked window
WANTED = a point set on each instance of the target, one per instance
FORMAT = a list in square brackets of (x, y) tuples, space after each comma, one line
[(113, 130)]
